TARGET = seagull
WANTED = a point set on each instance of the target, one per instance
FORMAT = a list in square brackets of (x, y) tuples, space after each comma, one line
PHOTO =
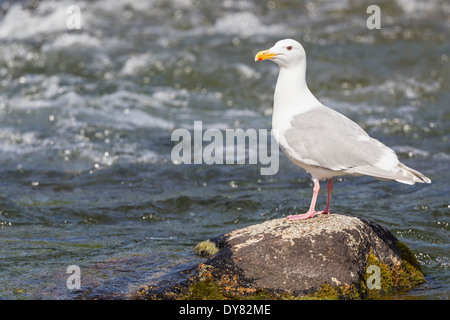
[(321, 140)]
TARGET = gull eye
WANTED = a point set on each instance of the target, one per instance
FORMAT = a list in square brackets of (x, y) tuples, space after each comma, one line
[(289, 48)]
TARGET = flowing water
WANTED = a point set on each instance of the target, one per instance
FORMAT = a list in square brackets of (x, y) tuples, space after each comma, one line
[(86, 117)]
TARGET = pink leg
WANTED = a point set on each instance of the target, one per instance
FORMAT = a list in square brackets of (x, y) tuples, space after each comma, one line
[(312, 211), (329, 188)]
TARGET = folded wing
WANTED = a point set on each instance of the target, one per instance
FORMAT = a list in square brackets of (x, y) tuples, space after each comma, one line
[(327, 139)]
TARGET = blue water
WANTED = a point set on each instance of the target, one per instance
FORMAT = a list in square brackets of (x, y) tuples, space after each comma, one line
[(86, 116)]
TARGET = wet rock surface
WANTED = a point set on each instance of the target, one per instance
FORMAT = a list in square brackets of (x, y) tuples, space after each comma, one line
[(283, 258)]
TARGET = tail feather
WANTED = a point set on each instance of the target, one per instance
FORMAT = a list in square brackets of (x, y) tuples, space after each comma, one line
[(401, 173), (418, 175)]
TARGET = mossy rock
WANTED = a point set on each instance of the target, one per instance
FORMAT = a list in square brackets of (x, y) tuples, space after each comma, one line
[(405, 276), (337, 250), (203, 290), (328, 257)]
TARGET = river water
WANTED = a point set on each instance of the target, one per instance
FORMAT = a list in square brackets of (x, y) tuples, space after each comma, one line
[(86, 117)]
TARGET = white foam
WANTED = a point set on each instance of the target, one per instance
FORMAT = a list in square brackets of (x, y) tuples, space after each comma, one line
[(441, 156), (72, 41), (24, 103), (138, 118), (119, 5), (422, 7), (71, 100), (126, 100), (239, 113), (13, 142), (135, 64), (411, 152), (51, 86), (177, 98), (246, 24), (410, 87), (20, 23)]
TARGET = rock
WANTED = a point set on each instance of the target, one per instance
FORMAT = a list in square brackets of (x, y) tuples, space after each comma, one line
[(328, 254)]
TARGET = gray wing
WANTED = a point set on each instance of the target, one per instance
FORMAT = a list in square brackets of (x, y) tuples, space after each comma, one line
[(325, 138)]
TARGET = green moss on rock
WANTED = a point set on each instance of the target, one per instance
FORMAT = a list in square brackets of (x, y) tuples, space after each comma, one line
[(409, 256), (410, 273), (203, 290), (208, 290), (206, 248), (326, 292), (406, 275)]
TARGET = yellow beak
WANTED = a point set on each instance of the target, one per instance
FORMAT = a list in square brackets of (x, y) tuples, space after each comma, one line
[(263, 55)]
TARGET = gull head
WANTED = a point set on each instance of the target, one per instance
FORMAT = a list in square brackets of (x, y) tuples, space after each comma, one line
[(285, 53)]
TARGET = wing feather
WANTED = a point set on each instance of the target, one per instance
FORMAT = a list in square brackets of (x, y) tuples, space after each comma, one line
[(325, 138)]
